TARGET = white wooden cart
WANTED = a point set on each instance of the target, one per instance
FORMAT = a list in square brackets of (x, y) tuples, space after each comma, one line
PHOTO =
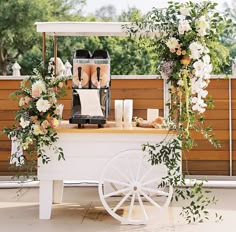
[(111, 156)]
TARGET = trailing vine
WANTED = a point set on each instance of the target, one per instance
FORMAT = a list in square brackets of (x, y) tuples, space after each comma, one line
[(169, 153)]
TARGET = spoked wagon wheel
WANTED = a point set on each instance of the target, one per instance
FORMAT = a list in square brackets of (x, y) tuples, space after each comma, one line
[(129, 188)]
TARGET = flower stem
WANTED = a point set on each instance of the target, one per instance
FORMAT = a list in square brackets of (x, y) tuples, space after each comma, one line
[(185, 73)]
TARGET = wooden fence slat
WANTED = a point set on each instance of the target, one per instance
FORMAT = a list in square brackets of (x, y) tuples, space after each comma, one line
[(205, 155), (136, 84)]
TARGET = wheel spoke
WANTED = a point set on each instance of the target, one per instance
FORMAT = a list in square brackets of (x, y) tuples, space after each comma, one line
[(150, 199), (139, 168), (142, 207), (152, 181), (117, 192), (159, 192), (146, 174), (130, 170), (121, 202), (131, 206), (115, 181), (121, 174)]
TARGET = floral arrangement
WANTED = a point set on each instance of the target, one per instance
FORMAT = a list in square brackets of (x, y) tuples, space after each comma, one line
[(184, 33), (37, 118)]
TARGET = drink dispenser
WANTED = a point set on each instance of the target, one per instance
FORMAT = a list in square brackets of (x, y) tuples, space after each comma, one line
[(100, 69), (91, 88), (81, 68)]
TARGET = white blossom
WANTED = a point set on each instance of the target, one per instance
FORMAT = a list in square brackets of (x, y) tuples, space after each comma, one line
[(206, 59), (180, 82), (185, 11), (183, 26), (37, 130), (202, 26), (172, 43), (203, 93), (24, 123), (196, 49), (42, 105), (198, 65), (198, 105), (37, 88), (198, 85)]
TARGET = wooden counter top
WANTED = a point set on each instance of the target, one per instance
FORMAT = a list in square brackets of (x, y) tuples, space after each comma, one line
[(110, 127)]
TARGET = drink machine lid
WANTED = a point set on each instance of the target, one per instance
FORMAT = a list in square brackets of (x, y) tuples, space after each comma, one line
[(82, 54), (100, 54)]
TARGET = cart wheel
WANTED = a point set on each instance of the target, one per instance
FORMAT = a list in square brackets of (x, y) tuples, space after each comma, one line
[(129, 188)]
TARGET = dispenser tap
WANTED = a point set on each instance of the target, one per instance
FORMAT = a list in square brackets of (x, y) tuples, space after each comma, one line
[(98, 76), (79, 77)]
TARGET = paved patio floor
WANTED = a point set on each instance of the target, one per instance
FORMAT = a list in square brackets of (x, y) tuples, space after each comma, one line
[(81, 210)]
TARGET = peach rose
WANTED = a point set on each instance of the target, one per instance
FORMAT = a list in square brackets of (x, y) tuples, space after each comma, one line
[(27, 99), (36, 93)]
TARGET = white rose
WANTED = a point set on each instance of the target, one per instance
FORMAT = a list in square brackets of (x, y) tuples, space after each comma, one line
[(42, 105), (183, 26), (24, 123), (172, 43), (37, 130), (37, 88), (202, 26), (185, 11)]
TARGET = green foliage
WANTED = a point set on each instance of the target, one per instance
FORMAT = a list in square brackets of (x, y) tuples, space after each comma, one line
[(168, 153), (18, 33)]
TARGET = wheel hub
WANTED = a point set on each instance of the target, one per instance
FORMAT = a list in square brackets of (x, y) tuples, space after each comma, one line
[(136, 187)]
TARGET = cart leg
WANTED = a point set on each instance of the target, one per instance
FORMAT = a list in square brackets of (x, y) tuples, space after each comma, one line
[(45, 199), (57, 191)]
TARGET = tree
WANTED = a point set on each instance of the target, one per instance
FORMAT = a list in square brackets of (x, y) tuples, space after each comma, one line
[(17, 30), (106, 13)]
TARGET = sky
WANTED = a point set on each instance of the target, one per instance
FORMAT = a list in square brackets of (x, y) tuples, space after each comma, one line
[(143, 5)]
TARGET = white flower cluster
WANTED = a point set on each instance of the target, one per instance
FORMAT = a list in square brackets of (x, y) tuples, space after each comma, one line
[(203, 68), (38, 88), (199, 54), (43, 105)]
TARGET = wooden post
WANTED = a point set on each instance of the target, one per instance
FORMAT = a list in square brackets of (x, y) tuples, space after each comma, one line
[(44, 49), (55, 54)]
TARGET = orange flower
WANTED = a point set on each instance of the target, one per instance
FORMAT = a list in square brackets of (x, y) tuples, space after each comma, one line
[(186, 60)]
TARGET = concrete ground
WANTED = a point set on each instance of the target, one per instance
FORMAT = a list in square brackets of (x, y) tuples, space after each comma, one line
[(82, 210)]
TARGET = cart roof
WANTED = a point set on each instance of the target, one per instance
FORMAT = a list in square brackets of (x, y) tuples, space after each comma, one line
[(82, 28)]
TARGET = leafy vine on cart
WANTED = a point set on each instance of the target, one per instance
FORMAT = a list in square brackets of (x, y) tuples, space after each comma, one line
[(183, 35)]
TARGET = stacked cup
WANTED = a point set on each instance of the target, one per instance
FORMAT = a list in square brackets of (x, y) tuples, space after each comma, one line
[(124, 111)]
